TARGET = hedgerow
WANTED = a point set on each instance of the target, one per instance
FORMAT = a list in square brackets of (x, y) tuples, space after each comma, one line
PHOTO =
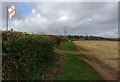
[(25, 56)]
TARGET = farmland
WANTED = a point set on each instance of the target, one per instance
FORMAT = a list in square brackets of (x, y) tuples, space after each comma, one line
[(30, 57), (70, 66), (103, 52), (49, 57)]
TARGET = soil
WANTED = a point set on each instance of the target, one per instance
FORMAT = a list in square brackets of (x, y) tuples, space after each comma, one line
[(102, 71)]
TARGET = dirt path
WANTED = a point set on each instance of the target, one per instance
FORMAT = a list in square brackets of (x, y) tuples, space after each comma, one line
[(102, 71), (57, 69)]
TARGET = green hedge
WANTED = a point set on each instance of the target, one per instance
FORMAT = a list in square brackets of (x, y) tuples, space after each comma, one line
[(57, 40), (25, 56)]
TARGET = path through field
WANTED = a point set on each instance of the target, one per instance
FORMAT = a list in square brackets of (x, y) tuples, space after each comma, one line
[(102, 56), (102, 71), (69, 66)]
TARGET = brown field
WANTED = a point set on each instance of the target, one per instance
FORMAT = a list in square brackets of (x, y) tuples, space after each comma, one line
[(104, 51)]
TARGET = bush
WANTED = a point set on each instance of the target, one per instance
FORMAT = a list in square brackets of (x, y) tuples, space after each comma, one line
[(25, 56)]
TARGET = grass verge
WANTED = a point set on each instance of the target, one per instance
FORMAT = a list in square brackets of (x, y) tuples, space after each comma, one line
[(73, 67), (77, 69), (68, 46)]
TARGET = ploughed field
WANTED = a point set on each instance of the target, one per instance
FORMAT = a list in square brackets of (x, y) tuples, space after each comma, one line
[(103, 52)]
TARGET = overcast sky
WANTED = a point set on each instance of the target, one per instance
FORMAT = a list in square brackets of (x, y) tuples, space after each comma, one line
[(80, 18)]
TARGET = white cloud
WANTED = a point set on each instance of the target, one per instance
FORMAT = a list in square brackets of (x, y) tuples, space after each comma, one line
[(80, 18), (33, 11), (112, 33)]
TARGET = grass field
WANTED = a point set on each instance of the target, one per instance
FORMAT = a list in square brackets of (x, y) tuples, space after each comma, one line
[(104, 51), (74, 68), (68, 46)]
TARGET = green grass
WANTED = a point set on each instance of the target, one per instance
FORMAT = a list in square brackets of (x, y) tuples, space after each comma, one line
[(75, 68), (68, 46)]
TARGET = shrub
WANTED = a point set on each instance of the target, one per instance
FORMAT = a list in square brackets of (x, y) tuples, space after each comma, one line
[(25, 56)]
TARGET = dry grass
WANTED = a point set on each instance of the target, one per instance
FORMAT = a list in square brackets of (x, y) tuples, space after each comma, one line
[(105, 51)]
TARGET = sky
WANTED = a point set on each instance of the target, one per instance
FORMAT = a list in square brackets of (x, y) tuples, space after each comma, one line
[(80, 18)]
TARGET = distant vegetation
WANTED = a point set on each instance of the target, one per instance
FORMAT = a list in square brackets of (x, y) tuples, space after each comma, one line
[(75, 37), (26, 56)]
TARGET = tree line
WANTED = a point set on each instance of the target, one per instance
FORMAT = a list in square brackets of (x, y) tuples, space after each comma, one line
[(77, 37)]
